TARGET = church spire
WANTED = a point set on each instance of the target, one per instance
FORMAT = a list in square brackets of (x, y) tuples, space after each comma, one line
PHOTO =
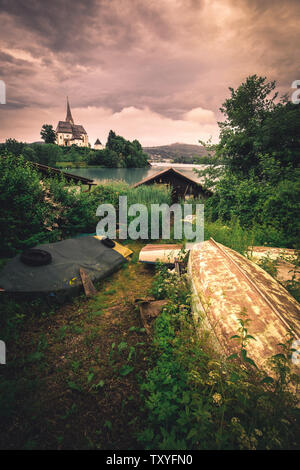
[(69, 115)]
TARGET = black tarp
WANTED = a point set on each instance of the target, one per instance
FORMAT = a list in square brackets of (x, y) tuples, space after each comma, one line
[(62, 275)]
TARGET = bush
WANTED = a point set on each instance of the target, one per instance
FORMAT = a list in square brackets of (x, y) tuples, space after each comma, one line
[(270, 211), (75, 209), (25, 215), (281, 210)]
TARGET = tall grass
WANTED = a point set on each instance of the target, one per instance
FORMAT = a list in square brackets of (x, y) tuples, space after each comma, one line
[(239, 238), (110, 191), (233, 235), (152, 194)]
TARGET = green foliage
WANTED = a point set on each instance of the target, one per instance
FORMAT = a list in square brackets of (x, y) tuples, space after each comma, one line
[(269, 265), (48, 134), (243, 339), (46, 154), (110, 191), (75, 210), (271, 211), (293, 285), (258, 179), (130, 154), (245, 111), (230, 234), (34, 213), (195, 399), (25, 215), (119, 152)]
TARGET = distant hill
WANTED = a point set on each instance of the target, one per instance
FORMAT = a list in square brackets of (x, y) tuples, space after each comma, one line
[(175, 151)]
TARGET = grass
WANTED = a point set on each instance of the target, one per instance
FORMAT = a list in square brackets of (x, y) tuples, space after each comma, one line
[(72, 374), (231, 235), (196, 399), (86, 376), (152, 194)]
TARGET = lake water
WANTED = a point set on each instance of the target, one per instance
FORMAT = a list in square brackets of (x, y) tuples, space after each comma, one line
[(132, 175)]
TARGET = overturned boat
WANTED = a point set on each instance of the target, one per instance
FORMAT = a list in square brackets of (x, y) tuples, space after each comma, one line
[(225, 284), (160, 253), (60, 275)]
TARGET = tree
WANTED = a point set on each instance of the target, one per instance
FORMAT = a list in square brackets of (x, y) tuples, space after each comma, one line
[(255, 173), (130, 154), (279, 135), (256, 124), (47, 154), (245, 112), (110, 140), (13, 146), (48, 134)]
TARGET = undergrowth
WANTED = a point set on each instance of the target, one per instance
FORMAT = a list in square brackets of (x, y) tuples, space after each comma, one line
[(196, 399)]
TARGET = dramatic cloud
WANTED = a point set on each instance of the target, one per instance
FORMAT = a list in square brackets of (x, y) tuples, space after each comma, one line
[(156, 71)]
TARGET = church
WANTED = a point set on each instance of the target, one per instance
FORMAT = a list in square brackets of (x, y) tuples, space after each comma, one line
[(68, 133)]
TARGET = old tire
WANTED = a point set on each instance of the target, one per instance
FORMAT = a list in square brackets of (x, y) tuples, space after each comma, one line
[(108, 242), (35, 257)]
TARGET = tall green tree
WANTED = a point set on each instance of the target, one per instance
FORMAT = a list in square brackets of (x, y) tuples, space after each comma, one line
[(259, 151), (245, 112), (48, 134), (130, 153)]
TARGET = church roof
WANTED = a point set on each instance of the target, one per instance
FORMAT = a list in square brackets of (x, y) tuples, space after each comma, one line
[(68, 126), (97, 142), (64, 126)]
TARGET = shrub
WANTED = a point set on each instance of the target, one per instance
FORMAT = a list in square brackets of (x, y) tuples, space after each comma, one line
[(25, 215), (76, 210)]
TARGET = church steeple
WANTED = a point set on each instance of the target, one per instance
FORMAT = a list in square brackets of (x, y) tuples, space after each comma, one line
[(69, 115)]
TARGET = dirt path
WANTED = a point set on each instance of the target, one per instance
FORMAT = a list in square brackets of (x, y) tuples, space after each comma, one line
[(76, 372)]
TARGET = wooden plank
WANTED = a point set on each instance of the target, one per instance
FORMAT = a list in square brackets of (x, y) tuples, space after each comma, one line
[(88, 286)]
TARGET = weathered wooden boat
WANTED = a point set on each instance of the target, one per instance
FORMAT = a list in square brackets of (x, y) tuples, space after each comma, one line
[(225, 284), (160, 253)]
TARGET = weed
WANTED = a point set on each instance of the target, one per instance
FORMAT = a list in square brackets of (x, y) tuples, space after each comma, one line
[(269, 265), (125, 370), (74, 386), (195, 399)]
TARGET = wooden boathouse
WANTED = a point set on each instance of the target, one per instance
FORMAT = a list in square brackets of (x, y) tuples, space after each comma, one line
[(182, 186)]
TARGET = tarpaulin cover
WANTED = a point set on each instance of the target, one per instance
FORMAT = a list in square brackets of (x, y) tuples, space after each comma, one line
[(62, 274)]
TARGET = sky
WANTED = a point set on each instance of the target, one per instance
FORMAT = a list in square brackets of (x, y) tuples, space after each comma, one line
[(156, 71)]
